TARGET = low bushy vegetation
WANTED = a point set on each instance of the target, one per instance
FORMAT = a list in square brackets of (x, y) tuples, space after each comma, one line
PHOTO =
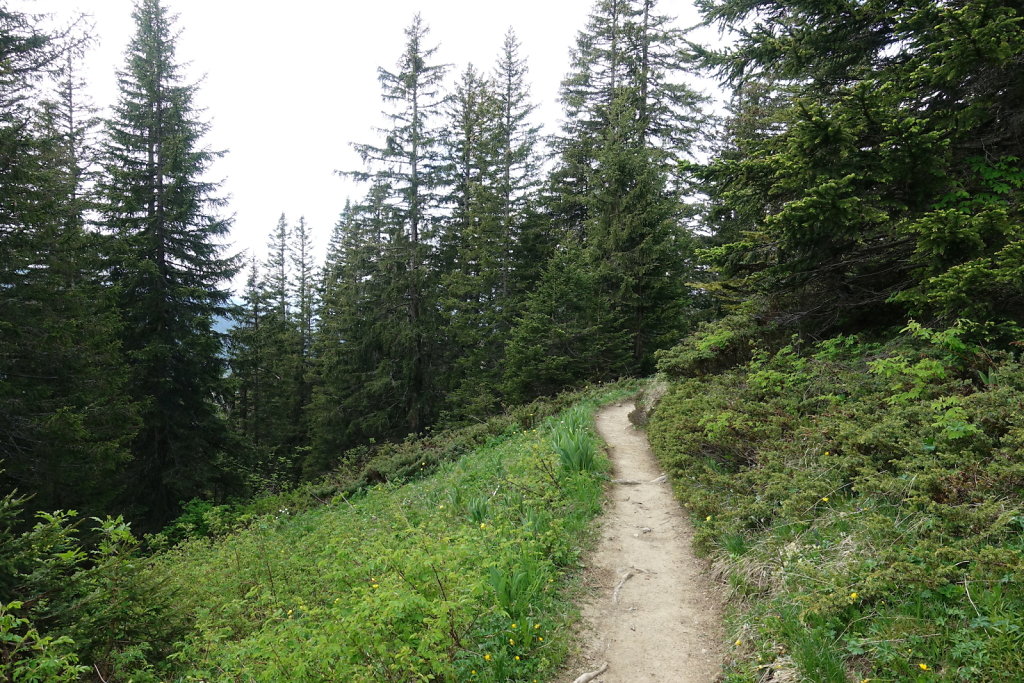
[(460, 574), (864, 502)]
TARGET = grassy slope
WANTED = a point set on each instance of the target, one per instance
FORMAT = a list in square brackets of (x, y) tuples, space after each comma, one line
[(866, 504), (460, 575)]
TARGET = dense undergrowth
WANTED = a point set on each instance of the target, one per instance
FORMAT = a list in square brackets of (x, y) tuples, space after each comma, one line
[(457, 565), (864, 502)]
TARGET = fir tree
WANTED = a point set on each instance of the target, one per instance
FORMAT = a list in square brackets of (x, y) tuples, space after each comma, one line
[(168, 267), (64, 419), (636, 244), (405, 165), (890, 172), (525, 241), (616, 194), (492, 246), (351, 401), (245, 359), (473, 251), (304, 293)]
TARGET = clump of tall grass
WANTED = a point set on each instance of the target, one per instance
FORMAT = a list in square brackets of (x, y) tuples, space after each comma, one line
[(574, 442)]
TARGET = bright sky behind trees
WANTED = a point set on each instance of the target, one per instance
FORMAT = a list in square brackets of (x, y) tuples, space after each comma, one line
[(288, 86)]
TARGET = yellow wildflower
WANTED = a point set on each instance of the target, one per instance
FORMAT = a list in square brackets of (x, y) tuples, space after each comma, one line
[(738, 643), (487, 658), (853, 596), (825, 499), (924, 667)]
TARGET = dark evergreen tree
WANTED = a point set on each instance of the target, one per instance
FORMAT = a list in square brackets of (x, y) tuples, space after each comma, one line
[(304, 293), (406, 321), (492, 247), (891, 169), (276, 284), (168, 266), (637, 245), (617, 191), (64, 418), (279, 337), (246, 352), (474, 254), (350, 397), (525, 239), (565, 335), (270, 356)]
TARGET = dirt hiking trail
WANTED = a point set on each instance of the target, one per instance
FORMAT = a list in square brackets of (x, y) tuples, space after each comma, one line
[(653, 613)]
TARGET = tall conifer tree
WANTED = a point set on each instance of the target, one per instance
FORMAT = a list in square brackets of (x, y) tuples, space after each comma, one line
[(64, 419), (168, 267), (492, 246), (525, 238), (406, 166), (616, 193)]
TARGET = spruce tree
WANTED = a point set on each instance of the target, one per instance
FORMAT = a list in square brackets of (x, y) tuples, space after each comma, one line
[(246, 352), (351, 401), (473, 252), (617, 192), (492, 247), (526, 242), (168, 267), (64, 419), (405, 164), (636, 243), (890, 172), (304, 293)]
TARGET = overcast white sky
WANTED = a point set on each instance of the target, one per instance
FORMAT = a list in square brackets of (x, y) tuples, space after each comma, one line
[(289, 85)]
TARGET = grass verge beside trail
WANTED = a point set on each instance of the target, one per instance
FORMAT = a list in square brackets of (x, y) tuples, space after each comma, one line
[(865, 504), (460, 576)]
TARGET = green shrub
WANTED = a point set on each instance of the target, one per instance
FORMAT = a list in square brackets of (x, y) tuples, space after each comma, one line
[(864, 502), (26, 655), (715, 346)]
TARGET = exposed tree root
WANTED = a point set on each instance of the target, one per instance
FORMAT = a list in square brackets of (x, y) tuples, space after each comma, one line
[(633, 482), (584, 678), (618, 587)]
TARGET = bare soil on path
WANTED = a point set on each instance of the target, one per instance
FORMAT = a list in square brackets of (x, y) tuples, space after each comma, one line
[(653, 612)]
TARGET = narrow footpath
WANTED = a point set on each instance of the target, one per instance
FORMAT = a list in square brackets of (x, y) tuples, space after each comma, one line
[(653, 613)]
